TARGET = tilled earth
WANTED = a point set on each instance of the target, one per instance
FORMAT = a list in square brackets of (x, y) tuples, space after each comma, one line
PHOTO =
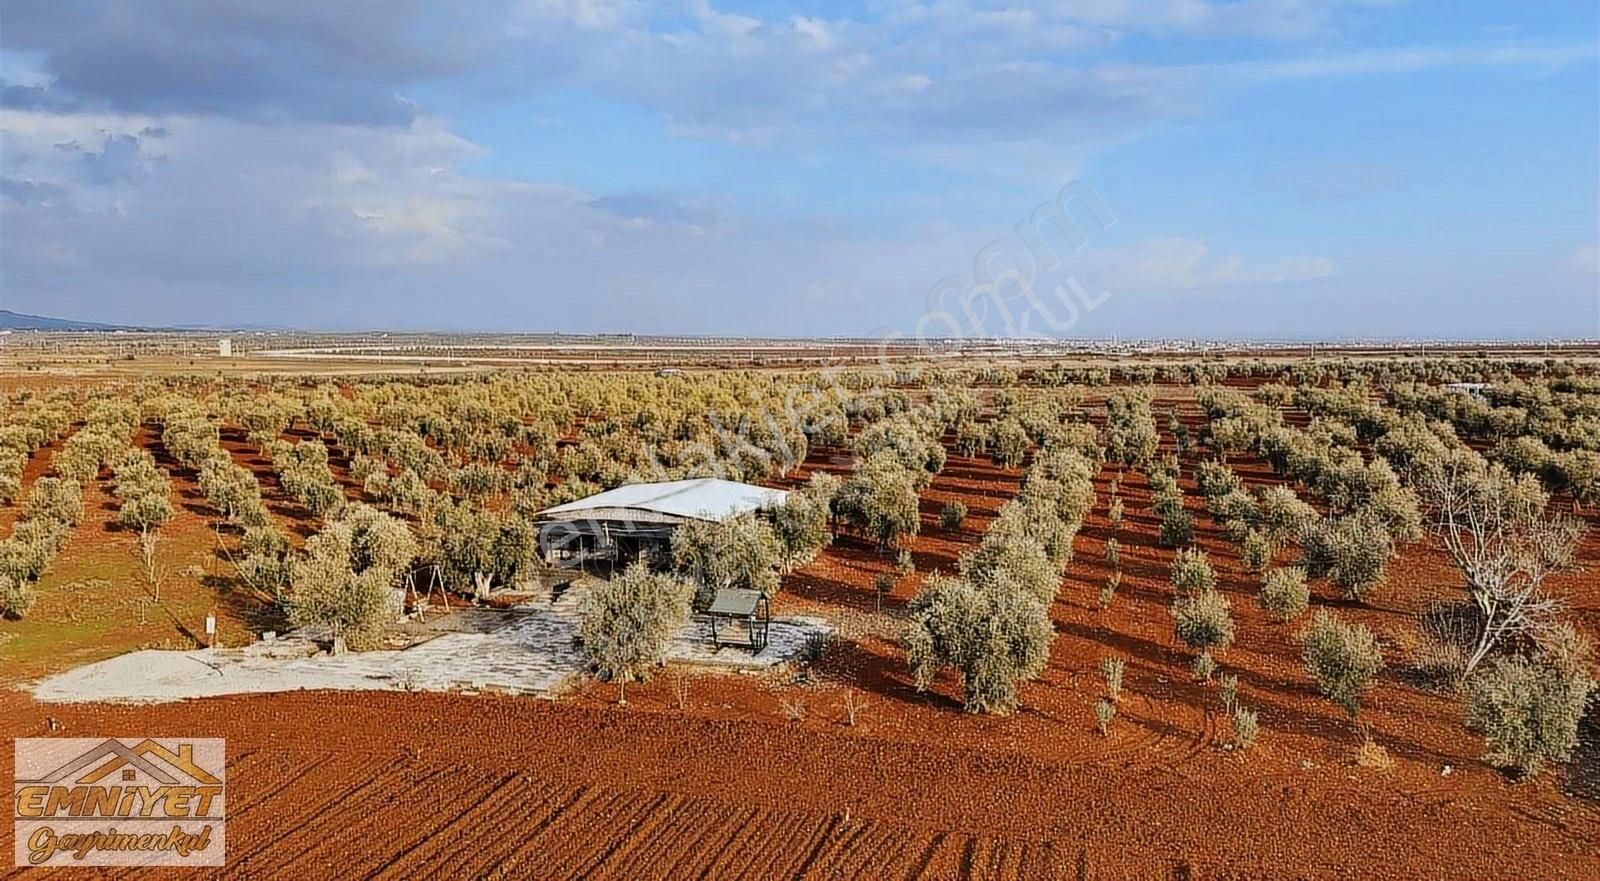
[(463, 786), (737, 776)]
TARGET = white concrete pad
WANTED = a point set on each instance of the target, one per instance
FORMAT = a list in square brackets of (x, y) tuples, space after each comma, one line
[(533, 652)]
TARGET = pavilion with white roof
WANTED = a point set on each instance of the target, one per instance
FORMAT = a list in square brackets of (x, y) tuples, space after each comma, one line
[(637, 520)]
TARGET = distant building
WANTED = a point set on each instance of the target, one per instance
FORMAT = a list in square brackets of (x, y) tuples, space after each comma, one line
[(225, 348)]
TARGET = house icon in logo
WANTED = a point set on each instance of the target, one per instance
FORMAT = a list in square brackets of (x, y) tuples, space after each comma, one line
[(145, 762)]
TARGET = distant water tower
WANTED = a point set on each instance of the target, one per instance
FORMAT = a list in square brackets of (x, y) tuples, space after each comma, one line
[(225, 348)]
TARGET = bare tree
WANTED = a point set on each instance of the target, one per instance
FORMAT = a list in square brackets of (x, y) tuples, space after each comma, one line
[(1499, 534), (155, 572)]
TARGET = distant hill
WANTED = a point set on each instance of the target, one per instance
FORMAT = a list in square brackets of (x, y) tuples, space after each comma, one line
[(17, 321)]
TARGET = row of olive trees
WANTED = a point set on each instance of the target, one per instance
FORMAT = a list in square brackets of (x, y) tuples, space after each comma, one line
[(1524, 673), (991, 624), (1547, 427), (1261, 522), (1379, 371), (143, 491), (194, 440), (1576, 472), (463, 545), (1370, 511), (304, 474), (896, 457), (51, 511), (460, 434), (406, 491), (1507, 542), (1202, 615), (55, 504), (145, 496), (108, 425), (25, 430)]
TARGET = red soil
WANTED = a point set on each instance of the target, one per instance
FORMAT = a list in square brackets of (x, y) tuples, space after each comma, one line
[(465, 786), (292, 515), (764, 777), (94, 603), (40, 464)]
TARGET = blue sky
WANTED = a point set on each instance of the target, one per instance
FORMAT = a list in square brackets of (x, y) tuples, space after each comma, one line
[(1274, 168)]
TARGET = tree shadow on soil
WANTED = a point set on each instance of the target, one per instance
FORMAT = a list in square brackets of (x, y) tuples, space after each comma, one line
[(850, 661), (1581, 779), (833, 591), (245, 608), (1157, 657)]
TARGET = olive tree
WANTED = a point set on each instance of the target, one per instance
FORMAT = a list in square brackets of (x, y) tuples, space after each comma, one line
[(952, 514), (145, 492), (1232, 434), (741, 552), (1285, 594), (345, 578), (16, 597), (144, 513), (55, 499), (1342, 659), (265, 564), (476, 480), (1281, 515), (1192, 573), (628, 623), (1017, 561), (1527, 710), (911, 443), (229, 487), (1008, 443), (1131, 434), (1216, 479), (1177, 528), (1204, 621), (31, 546), (1353, 552), (1578, 472), (971, 439), (475, 551), (995, 636), (801, 524), (881, 500)]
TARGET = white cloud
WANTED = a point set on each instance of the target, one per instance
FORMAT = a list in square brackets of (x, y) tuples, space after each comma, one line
[(1176, 264), (292, 181), (1584, 259), (816, 31), (1408, 59), (313, 224)]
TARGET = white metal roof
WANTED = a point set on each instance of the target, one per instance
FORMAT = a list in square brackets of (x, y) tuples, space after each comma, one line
[(704, 498)]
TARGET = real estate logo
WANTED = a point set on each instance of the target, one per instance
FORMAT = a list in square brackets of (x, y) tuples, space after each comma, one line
[(119, 801)]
